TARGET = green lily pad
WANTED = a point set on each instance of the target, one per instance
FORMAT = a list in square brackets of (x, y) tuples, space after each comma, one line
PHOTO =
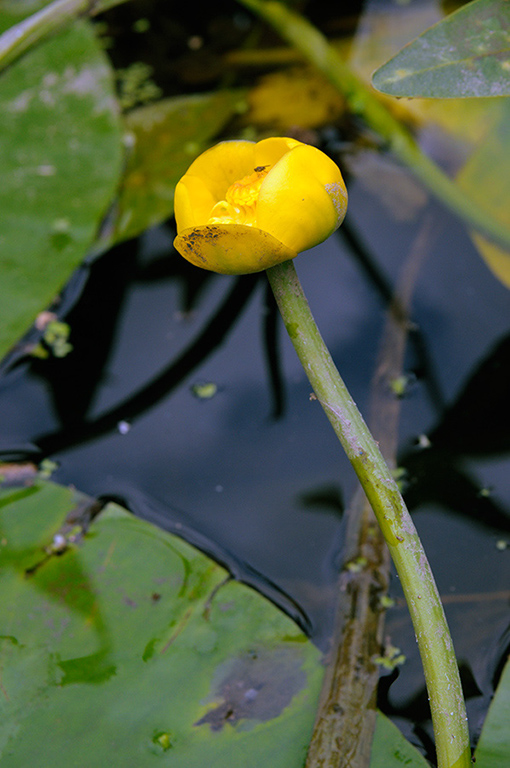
[(391, 749), (125, 646), (467, 54), (61, 139), (164, 139), (493, 749)]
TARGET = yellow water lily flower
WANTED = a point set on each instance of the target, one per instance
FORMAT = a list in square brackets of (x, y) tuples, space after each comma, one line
[(244, 206)]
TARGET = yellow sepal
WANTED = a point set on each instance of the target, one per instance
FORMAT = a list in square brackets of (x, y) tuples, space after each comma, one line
[(233, 249)]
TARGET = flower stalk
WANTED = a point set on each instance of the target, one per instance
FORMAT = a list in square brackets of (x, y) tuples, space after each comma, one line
[(432, 633)]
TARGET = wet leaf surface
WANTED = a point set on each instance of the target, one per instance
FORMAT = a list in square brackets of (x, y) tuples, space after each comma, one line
[(390, 748), (61, 157), (494, 745), (118, 639), (465, 55), (131, 643), (258, 685)]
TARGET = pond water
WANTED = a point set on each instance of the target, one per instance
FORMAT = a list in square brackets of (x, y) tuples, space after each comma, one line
[(184, 400)]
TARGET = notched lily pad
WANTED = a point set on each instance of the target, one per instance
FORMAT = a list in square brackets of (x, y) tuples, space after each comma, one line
[(129, 643)]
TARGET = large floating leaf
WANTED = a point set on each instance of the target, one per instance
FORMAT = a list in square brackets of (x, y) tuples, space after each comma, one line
[(391, 750), (131, 648), (124, 644), (60, 138), (166, 137), (493, 749), (465, 55), (382, 32)]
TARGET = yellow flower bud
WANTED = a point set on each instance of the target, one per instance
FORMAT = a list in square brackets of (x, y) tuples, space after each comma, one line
[(244, 206)]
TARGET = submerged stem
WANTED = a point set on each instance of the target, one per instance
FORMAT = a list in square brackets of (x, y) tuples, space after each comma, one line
[(432, 633)]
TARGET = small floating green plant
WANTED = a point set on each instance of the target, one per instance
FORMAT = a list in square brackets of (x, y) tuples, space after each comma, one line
[(246, 207)]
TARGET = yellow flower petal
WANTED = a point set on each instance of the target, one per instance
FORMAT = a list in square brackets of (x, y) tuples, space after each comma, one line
[(243, 206), (269, 151), (303, 198), (221, 165), (231, 249), (193, 202)]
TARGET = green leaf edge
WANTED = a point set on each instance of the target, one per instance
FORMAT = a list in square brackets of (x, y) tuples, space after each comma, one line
[(396, 76)]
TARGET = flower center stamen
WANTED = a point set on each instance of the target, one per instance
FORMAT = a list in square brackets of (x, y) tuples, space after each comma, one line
[(240, 204)]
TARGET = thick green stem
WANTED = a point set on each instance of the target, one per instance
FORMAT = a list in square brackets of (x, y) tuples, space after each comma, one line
[(346, 716), (434, 641), (362, 100)]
